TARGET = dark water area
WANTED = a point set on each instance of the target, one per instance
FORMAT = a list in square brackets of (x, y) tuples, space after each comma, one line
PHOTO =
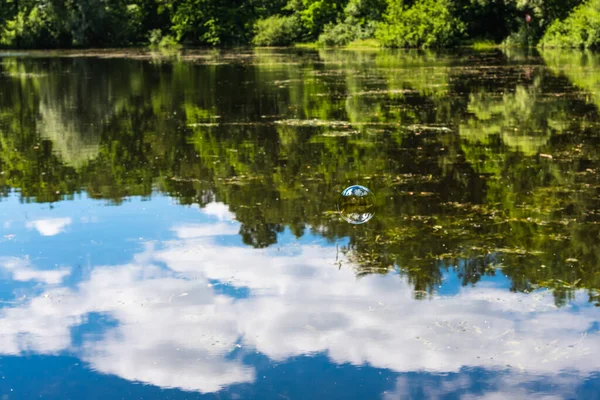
[(170, 225)]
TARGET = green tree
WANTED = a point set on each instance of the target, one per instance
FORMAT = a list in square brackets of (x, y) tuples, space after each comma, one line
[(315, 14), (359, 21), (581, 29), (277, 30), (215, 22), (427, 23)]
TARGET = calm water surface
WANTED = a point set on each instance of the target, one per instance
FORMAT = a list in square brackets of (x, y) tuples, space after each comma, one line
[(169, 225)]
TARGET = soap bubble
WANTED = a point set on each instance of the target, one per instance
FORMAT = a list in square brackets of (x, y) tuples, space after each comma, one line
[(357, 204)]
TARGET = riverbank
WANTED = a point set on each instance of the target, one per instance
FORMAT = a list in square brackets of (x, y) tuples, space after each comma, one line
[(343, 23)]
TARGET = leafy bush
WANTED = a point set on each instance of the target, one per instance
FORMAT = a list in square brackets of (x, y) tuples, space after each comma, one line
[(210, 22), (483, 44), (428, 23), (364, 44), (343, 33), (364, 11), (581, 29), (154, 37), (360, 23), (339, 34), (73, 24), (523, 37), (100, 22), (314, 15), (168, 41), (33, 28), (276, 31)]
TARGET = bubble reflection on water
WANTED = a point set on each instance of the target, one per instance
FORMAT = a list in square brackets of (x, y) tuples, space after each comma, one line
[(357, 204)]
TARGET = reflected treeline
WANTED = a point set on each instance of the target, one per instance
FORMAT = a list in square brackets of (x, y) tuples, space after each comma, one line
[(480, 163)]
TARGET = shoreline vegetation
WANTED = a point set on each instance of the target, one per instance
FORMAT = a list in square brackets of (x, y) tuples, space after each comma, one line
[(364, 24)]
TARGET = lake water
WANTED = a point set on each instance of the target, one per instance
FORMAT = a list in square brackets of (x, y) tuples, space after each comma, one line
[(169, 225)]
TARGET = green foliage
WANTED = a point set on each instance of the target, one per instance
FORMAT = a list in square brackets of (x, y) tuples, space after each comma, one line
[(542, 12), (156, 39), (316, 14), (360, 22), (580, 67), (523, 37), (210, 22), (487, 19), (339, 34), (483, 45), (61, 23), (7, 10), (168, 41), (217, 22), (276, 31), (519, 119), (365, 44), (581, 29), (427, 23), (395, 23), (33, 27)]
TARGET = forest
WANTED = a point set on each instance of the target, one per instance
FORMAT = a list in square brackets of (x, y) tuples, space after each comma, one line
[(360, 23)]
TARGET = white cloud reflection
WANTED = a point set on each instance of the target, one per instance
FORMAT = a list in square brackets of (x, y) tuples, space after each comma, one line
[(49, 226), (500, 386), (219, 210), (22, 271), (175, 329)]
